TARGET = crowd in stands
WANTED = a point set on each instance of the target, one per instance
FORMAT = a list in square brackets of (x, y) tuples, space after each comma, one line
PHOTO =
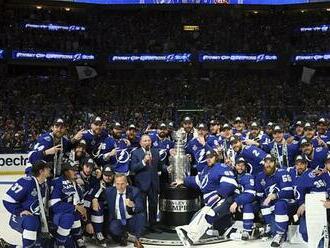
[(29, 103), (157, 31)]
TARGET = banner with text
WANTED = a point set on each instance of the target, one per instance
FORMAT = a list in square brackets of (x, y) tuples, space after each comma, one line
[(13, 163)]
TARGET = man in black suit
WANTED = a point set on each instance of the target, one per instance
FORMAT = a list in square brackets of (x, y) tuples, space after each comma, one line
[(126, 211), (145, 163)]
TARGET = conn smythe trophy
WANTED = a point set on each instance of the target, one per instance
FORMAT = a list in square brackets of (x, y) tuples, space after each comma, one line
[(178, 204)]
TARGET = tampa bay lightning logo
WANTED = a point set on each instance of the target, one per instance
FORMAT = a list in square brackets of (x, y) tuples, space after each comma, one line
[(260, 57), (162, 154), (201, 158), (77, 57), (122, 156), (204, 181), (35, 208)]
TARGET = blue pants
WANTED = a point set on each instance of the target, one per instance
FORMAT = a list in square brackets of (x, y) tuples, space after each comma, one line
[(249, 211), (277, 215), (134, 225), (97, 218), (68, 228), (29, 226)]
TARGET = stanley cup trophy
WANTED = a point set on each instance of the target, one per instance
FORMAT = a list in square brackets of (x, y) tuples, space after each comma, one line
[(177, 205)]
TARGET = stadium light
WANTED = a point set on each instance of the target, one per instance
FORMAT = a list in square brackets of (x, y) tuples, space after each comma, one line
[(327, 9), (255, 12), (67, 9), (39, 7)]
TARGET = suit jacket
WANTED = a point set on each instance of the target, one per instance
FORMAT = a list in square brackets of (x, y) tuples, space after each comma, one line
[(132, 193), (146, 176)]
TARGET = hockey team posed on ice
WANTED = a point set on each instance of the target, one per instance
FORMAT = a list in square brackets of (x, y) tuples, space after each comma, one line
[(103, 183)]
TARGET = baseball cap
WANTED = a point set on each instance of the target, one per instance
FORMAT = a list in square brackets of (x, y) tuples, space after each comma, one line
[(240, 160), (277, 128), (308, 126), (96, 119), (300, 158), (107, 171), (132, 126), (202, 126), (58, 121), (304, 142), (187, 119), (254, 125), (269, 157), (117, 125), (226, 126), (211, 154)]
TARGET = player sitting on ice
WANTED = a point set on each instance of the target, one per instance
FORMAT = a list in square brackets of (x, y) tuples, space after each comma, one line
[(245, 197), (217, 184), (275, 191), (25, 201), (67, 209)]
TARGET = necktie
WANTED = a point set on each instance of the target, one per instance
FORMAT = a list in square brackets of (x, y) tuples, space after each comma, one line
[(122, 209)]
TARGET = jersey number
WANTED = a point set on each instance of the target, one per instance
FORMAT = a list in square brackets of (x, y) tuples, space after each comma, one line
[(256, 153), (286, 178), (16, 188)]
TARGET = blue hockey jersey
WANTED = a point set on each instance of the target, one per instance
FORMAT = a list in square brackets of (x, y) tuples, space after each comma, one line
[(106, 146), (164, 146), (292, 152), (23, 195), (198, 151), (308, 183), (317, 158), (246, 189), (93, 142), (254, 156), (218, 180), (44, 142), (279, 183), (64, 196)]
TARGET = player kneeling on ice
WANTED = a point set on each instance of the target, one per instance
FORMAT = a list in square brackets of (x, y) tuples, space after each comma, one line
[(275, 191), (305, 181), (67, 208), (217, 184), (245, 197), (25, 200)]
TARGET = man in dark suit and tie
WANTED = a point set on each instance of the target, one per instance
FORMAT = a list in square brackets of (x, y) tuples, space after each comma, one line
[(126, 211), (145, 163)]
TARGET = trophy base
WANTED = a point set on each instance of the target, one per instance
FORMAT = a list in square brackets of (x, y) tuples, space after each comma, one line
[(177, 206)]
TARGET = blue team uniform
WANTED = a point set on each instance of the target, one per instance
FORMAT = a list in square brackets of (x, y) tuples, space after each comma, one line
[(123, 156), (254, 156), (215, 183), (277, 212), (198, 151), (93, 143), (304, 184), (96, 191), (44, 142), (163, 145), (245, 196), (23, 196), (292, 152), (318, 158), (65, 195)]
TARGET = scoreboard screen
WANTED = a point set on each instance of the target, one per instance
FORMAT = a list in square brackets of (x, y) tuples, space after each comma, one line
[(256, 2)]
